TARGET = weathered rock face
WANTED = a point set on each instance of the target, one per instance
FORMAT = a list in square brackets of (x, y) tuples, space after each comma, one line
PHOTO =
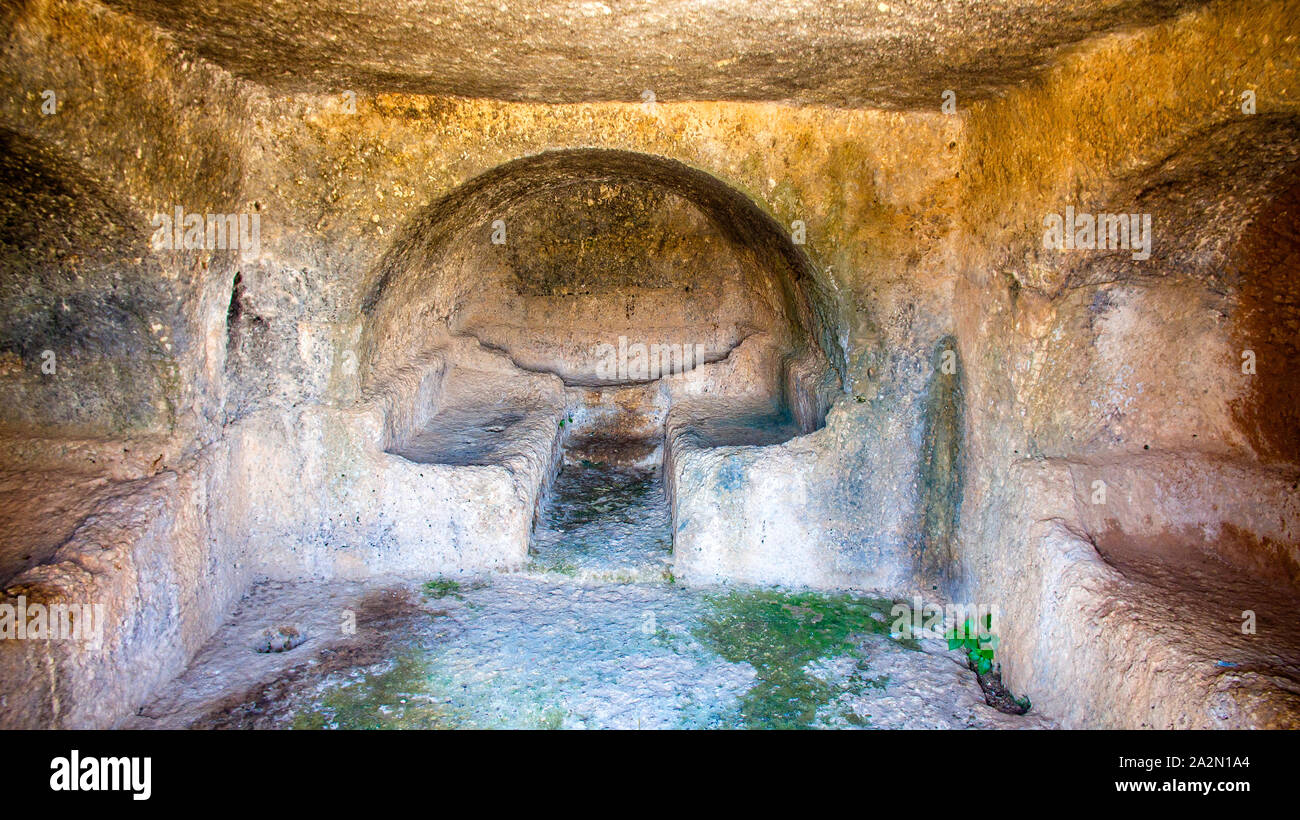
[(65, 242), (551, 269), (1106, 390), (576, 275), (905, 382), (853, 53)]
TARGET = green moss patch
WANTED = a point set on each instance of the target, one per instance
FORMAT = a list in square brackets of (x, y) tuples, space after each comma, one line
[(441, 587), (395, 698), (780, 634)]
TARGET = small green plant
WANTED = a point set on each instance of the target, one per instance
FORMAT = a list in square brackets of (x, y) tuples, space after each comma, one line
[(978, 645), (441, 588), (562, 566)]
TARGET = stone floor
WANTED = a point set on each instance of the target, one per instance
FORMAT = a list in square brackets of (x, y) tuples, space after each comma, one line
[(594, 634), (605, 522), (513, 651)]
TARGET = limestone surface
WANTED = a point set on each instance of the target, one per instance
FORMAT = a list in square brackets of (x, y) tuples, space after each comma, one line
[(566, 294)]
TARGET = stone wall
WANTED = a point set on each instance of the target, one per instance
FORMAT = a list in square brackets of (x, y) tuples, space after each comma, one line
[(249, 435)]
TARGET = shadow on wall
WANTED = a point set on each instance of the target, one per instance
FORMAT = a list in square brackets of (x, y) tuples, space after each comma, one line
[(89, 330), (940, 467), (1267, 265), (430, 279)]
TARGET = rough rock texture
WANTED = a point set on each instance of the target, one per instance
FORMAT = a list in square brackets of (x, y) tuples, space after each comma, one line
[(515, 652), (1108, 420), (378, 388), (856, 53)]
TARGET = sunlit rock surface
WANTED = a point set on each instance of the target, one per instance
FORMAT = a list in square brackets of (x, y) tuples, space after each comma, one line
[(475, 221)]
